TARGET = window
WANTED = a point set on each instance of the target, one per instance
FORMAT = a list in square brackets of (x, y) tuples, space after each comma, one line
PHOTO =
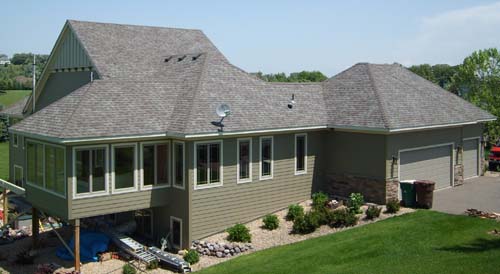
[(176, 231), (15, 140), (90, 171), (155, 164), (18, 176), (244, 165), (266, 158), (46, 167), (179, 165), (300, 154), (144, 220), (208, 164), (124, 165)]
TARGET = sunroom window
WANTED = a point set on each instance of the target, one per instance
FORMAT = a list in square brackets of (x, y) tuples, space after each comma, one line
[(208, 164), (155, 164), (178, 148), (124, 166), (90, 170), (46, 167)]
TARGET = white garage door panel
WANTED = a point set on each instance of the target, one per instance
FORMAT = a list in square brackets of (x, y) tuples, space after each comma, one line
[(470, 158), (433, 164)]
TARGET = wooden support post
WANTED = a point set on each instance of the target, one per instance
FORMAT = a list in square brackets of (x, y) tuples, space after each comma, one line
[(5, 207), (35, 227), (77, 245)]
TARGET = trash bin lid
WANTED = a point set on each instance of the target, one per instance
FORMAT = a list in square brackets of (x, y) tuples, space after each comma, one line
[(407, 181)]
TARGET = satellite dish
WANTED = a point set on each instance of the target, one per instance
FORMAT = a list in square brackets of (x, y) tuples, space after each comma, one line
[(223, 110)]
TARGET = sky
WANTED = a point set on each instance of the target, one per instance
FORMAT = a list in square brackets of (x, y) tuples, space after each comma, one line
[(281, 36)]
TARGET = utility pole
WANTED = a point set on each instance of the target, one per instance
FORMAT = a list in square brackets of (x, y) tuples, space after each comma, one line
[(34, 81)]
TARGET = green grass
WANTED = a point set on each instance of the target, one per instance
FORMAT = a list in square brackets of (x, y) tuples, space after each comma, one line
[(12, 96), (421, 242), (4, 160)]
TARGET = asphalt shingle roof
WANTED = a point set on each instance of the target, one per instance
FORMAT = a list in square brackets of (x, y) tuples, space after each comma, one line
[(139, 93)]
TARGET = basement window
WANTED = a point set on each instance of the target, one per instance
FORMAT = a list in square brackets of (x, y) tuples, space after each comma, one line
[(176, 231), (90, 171), (155, 159), (208, 164)]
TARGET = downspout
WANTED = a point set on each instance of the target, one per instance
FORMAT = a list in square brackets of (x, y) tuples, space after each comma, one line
[(34, 82)]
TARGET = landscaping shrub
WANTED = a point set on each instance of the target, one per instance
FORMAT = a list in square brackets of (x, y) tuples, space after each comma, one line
[(239, 233), (320, 200), (271, 222), (342, 217), (372, 212), (153, 265), (192, 256), (355, 202), (128, 269), (392, 206), (294, 211), (306, 224)]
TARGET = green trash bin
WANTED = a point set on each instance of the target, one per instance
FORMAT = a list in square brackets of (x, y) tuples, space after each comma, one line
[(408, 193)]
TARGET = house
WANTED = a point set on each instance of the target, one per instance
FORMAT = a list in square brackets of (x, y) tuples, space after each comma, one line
[(122, 127)]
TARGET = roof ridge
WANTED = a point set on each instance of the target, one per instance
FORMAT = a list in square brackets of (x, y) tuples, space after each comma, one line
[(131, 25), (377, 96), (77, 105), (197, 89)]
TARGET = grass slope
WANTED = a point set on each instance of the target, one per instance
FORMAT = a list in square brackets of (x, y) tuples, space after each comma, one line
[(4, 160), (421, 242), (12, 96)]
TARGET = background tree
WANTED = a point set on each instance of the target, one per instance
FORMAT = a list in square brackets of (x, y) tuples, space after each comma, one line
[(440, 74), (478, 80), (303, 76)]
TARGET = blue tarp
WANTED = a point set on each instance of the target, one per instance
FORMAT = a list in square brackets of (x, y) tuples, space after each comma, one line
[(91, 243)]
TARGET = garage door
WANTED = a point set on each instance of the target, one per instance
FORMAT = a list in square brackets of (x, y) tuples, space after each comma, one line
[(433, 164), (470, 158)]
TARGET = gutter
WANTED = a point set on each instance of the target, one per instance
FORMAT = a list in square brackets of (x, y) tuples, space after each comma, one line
[(192, 136)]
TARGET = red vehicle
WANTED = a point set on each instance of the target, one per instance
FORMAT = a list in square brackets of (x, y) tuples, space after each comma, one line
[(494, 157)]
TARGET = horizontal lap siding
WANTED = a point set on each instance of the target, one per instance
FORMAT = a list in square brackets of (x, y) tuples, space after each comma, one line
[(47, 202), (95, 206), (215, 209)]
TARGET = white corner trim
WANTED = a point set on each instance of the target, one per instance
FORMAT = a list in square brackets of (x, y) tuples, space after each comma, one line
[(128, 189), (267, 177), (172, 219), (106, 173), (141, 166), (300, 172), (174, 170), (221, 170), (249, 179)]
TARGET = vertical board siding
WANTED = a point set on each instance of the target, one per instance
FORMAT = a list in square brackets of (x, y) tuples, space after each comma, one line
[(71, 53), (215, 209)]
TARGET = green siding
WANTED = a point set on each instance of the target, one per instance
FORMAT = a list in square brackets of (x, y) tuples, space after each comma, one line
[(70, 53), (356, 154), (60, 84), (215, 209)]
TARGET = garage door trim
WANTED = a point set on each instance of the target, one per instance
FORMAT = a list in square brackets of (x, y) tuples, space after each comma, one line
[(452, 147), (478, 155)]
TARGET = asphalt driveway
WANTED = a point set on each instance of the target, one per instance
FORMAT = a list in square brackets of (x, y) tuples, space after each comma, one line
[(481, 193)]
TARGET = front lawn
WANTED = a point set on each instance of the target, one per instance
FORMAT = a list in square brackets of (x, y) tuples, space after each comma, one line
[(11, 96), (4, 161), (420, 242)]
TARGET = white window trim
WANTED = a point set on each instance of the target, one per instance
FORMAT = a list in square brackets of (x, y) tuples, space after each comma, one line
[(22, 172), (141, 166), (221, 169), (136, 184), (267, 177), (172, 219), (15, 141), (300, 172), (183, 187), (43, 158), (106, 174), (249, 179)]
